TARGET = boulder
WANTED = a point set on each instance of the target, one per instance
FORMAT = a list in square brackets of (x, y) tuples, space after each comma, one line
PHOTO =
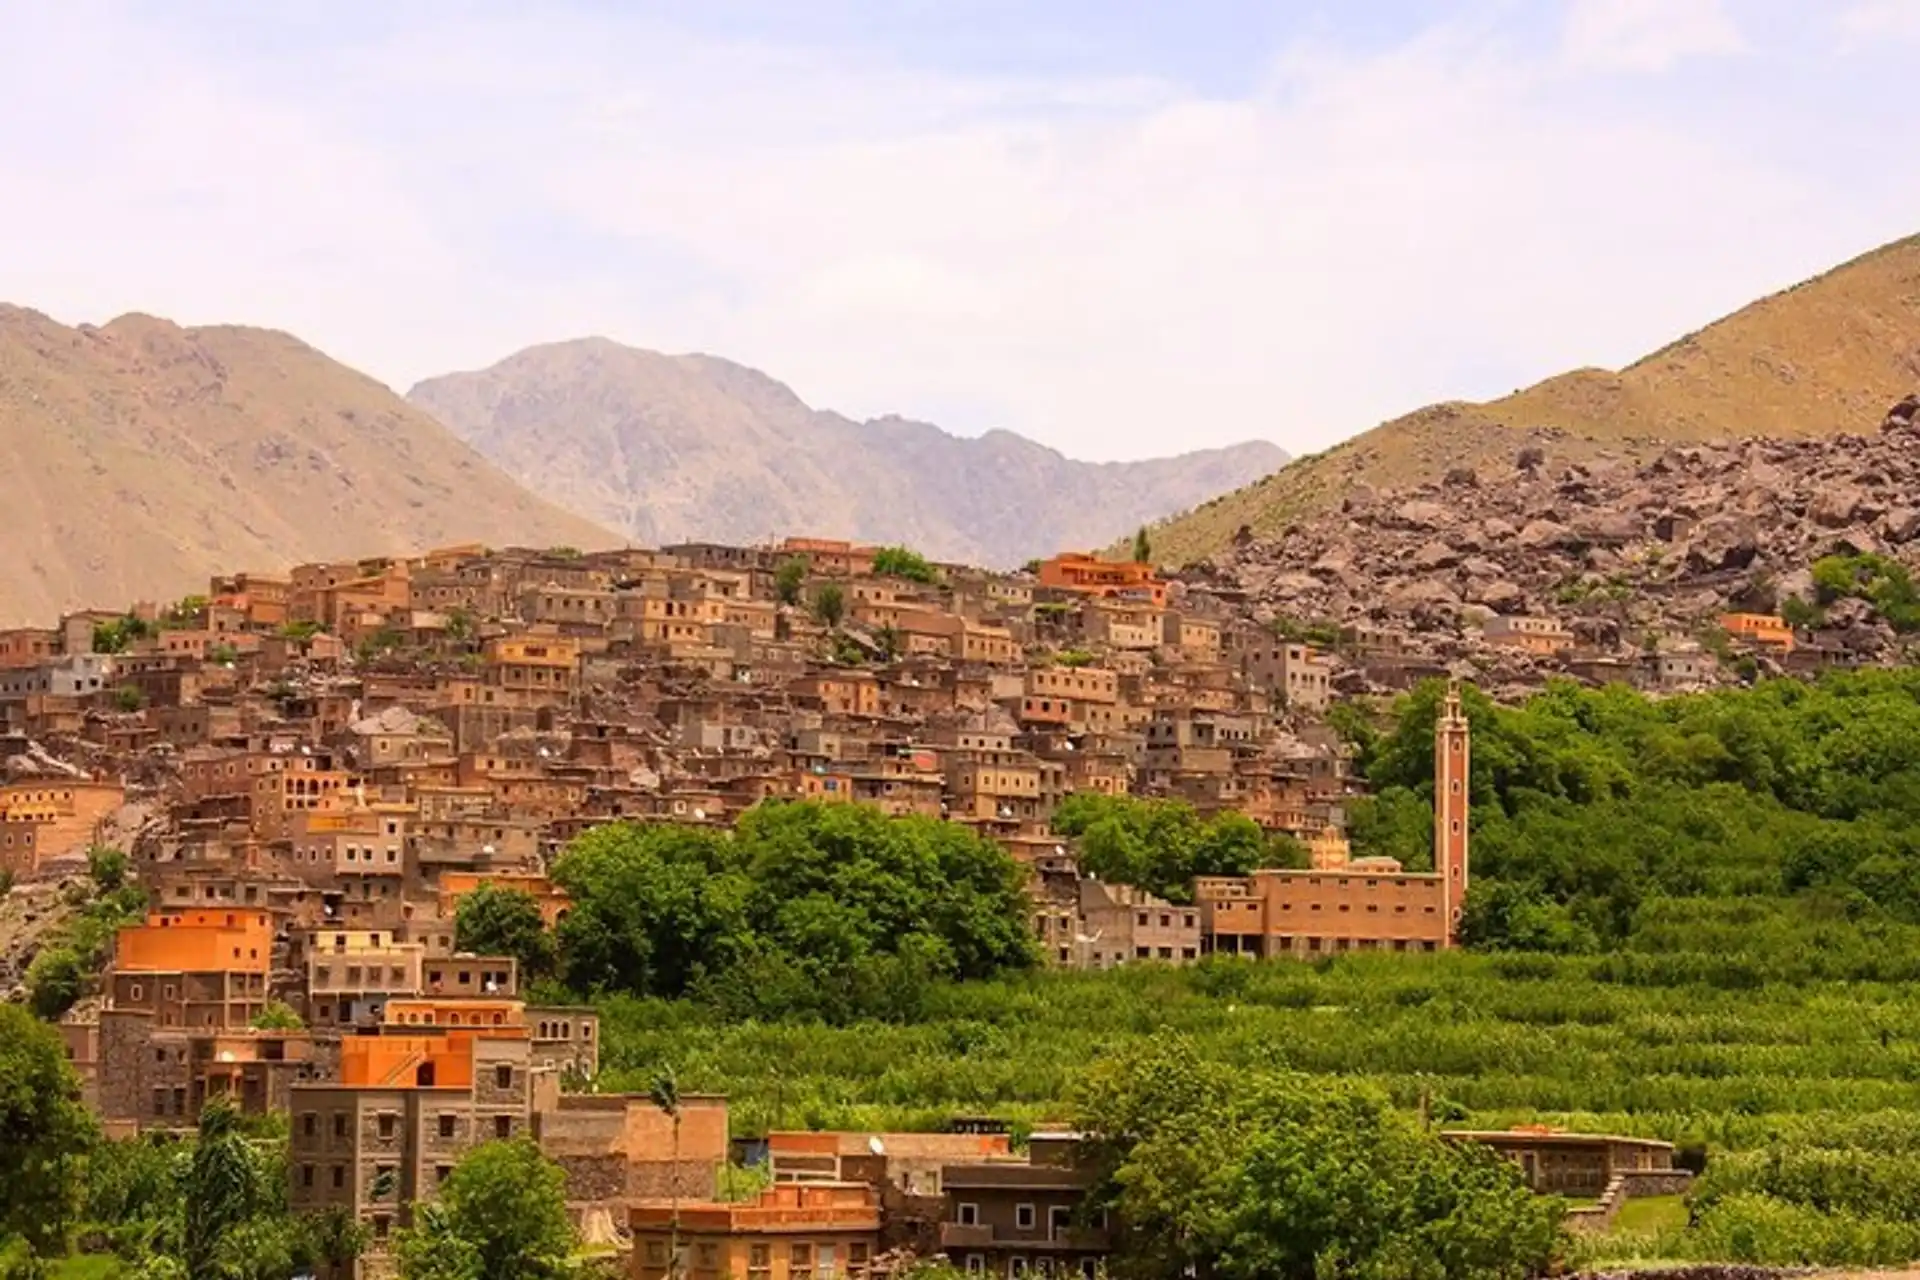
[(1901, 524), (1420, 514), (1541, 534), (1432, 555)]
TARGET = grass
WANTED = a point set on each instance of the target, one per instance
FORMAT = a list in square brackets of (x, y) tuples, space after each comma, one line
[(1650, 1215)]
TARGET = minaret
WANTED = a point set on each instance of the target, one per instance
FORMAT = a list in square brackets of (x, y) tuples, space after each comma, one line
[(1452, 753)]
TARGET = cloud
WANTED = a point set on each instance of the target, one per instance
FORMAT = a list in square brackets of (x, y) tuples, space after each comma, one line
[(1117, 265), (1648, 35), (1880, 20)]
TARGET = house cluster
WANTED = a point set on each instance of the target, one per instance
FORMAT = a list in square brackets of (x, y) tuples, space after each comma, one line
[(320, 766)]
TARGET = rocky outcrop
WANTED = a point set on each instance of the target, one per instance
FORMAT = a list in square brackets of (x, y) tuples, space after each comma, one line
[(1618, 553)]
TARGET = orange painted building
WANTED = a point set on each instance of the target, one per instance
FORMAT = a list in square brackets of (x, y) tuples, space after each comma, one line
[(1108, 579), (793, 1231), (455, 885), (1760, 628), (206, 941)]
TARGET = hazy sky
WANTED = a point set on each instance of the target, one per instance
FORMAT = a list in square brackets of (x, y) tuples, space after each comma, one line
[(1121, 227)]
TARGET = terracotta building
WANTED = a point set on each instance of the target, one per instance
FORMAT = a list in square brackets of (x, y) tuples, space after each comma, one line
[(1362, 903), (792, 1231)]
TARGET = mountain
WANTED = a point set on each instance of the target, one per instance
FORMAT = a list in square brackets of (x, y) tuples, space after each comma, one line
[(1822, 358), (1623, 555), (139, 457), (694, 447)]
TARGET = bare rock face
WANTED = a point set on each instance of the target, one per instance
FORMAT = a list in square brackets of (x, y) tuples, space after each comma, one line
[(1613, 552)]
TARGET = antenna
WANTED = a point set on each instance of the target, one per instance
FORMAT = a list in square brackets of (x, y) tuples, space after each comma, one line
[(876, 1146)]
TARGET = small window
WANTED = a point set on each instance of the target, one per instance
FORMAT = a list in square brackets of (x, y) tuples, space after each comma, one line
[(969, 1215), (503, 1076), (1023, 1217), (446, 1126), (503, 1127)]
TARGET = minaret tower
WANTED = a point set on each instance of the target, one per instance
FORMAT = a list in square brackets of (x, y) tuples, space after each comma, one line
[(1452, 754)]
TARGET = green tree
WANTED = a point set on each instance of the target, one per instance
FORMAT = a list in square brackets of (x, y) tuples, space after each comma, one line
[(830, 604), (277, 1016), (789, 578), (1142, 546), (56, 979), (223, 1190), (129, 698), (46, 1133), (493, 921), (501, 1215), (902, 562), (107, 868), (1256, 1176)]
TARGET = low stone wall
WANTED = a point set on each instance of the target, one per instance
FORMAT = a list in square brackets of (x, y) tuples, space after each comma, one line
[(1702, 1271), (1641, 1183)]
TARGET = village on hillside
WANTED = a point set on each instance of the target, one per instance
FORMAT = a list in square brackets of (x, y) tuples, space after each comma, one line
[(309, 773)]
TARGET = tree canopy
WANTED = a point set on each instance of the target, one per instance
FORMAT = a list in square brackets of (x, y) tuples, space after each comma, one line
[(45, 1134), (903, 562), (503, 921), (1252, 1175), (828, 910), (1591, 807), (500, 1215), (1161, 845)]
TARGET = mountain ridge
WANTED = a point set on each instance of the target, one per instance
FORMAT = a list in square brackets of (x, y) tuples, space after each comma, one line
[(695, 446), (139, 457), (1821, 357)]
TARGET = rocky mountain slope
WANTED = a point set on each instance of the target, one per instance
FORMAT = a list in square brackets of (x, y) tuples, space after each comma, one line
[(675, 447), (1824, 357), (139, 457), (1623, 554)]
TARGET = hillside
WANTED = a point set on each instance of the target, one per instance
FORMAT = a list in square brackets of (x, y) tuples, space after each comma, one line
[(1822, 358), (140, 457), (676, 447)]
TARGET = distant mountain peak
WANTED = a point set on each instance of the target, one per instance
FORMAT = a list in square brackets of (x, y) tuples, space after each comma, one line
[(698, 446)]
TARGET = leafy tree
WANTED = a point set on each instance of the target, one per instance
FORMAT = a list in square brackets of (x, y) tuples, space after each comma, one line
[(501, 1215), (107, 868), (46, 1133), (497, 921), (1142, 546), (789, 578), (225, 1187), (56, 979), (830, 910), (830, 604), (129, 698), (277, 1016), (1161, 845), (902, 562), (1252, 1176)]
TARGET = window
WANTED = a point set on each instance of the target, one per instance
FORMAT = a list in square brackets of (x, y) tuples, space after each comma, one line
[(800, 1262), (306, 1175), (503, 1076), (309, 1124), (503, 1127), (386, 1124), (656, 1253), (969, 1215), (1016, 1267), (446, 1126), (441, 1173), (1059, 1220), (706, 1255), (339, 1176), (759, 1259), (1023, 1217), (340, 1125), (976, 1265)]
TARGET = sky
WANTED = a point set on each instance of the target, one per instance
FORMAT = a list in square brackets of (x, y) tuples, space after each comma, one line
[(1119, 227)]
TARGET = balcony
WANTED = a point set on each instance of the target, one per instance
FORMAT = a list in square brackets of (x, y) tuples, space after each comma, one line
[(981, 1236)]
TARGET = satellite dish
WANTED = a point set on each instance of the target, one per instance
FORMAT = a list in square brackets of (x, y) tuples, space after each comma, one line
[(876, 1146), (699, 815)]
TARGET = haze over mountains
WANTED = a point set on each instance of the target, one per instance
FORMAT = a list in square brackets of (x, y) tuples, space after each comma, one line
[(666, 448), (139, 457), (1822, 358)]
